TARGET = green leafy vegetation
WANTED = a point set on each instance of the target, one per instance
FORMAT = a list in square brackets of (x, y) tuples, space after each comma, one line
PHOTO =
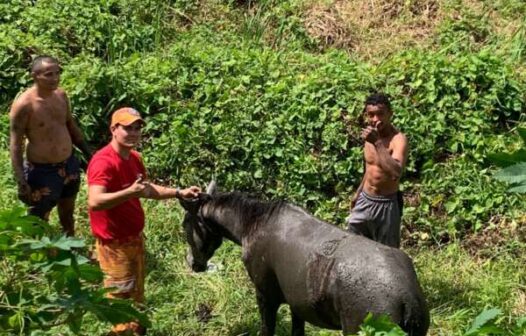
[(514, 166), (381, 326), (46, 282)]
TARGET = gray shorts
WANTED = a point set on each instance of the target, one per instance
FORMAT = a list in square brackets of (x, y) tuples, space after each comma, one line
[(377, 218)]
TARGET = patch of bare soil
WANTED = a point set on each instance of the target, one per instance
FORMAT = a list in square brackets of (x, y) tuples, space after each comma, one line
[(501, 235), (204, 312)]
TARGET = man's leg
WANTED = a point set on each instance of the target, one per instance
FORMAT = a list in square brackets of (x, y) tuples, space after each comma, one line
[(389, 224), (123, 268), (359, 221), (66, 208), (45, 189), (70, 187)]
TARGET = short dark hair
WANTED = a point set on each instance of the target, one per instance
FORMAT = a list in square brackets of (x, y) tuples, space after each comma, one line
[(378, 98), (37, 61)]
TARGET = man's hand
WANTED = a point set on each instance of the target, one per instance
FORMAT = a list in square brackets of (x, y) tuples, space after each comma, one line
[(370, 134), (141, 188), (188, 193), (24, 192)]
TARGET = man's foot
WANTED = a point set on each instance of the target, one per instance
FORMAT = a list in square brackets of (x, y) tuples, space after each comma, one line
[(127, 329)]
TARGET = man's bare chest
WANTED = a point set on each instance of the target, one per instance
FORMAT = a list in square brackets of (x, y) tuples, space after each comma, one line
[(371, 151), (47, 114)]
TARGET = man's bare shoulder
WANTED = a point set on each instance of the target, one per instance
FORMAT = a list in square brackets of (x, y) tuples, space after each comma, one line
[(61, 93), (23, 103), (399, 137)]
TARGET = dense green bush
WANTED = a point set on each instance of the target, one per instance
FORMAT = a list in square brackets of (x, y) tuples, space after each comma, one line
[(103, 30), (46, 282)]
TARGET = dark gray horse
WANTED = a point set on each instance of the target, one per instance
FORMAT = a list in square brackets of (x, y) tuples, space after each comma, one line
[(329, 277)]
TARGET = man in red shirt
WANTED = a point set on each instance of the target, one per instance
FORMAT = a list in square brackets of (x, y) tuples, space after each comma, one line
[(116, 182)]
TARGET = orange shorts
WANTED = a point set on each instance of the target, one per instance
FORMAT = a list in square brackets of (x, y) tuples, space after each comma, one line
[(122, 262)]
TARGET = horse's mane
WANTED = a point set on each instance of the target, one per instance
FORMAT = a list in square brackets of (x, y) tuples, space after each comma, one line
[(253, 212)]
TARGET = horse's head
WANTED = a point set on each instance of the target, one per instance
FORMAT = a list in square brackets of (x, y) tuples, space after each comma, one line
[(201, 234)]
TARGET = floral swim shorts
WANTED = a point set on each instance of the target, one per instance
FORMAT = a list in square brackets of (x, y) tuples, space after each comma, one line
[(51, 182)]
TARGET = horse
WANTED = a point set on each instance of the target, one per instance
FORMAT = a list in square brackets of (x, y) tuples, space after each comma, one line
[(329, 277)]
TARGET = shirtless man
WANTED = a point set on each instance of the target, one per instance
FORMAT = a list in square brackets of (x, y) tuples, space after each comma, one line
[(376, 207), (49, 175)]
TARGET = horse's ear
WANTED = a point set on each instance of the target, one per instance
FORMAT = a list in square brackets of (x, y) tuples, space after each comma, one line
[(212, 186), (204, 197), (190, 205), (193, 205)]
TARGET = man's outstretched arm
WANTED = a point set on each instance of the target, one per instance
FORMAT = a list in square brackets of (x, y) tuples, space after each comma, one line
[(159, 192), (393, 163)]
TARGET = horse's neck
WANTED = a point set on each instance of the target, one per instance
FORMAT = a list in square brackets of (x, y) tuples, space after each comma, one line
[(228, 222)]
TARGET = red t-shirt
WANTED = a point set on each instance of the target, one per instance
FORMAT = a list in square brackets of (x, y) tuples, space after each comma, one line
[(107, 168)]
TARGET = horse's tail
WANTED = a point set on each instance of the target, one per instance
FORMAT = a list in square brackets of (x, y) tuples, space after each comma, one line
[(415, 317)]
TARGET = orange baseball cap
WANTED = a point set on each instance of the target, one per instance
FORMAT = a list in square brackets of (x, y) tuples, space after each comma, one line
[(125, 116)]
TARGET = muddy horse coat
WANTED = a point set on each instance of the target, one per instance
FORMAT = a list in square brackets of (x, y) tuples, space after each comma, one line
[(329, 277)]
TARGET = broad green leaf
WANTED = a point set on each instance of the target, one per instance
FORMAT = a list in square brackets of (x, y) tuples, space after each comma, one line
[(15, 321), (74, 321), (490, 330), (10, 215), (81, 260), (17, 220), (512, 174), (482, 320), (35, 244), (90, 273), (521, 188), (381, 325), (505, 159), (5, 242), (43, 316), (67, 243)]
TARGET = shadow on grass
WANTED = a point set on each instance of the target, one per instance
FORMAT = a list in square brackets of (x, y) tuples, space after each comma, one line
[(161, 261), (251, 327), (440, 293)]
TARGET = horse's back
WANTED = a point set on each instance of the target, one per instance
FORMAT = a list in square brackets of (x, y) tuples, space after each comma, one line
[(372, 277), (333, 278)]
